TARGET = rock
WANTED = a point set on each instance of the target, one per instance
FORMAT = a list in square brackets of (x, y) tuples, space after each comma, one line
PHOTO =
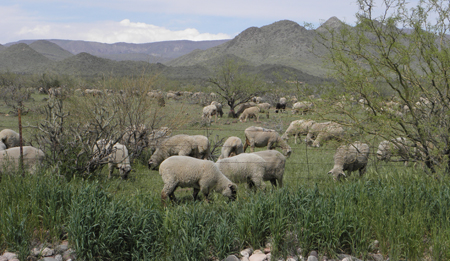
[(47, 259), (61, 248), (59, 257), (314, 253), (244, 258), (312, 258), (2, 258), (47, 252), (9, 255), (246, 252), (231, 258), (258, 257), (292, 258), (266, 250)]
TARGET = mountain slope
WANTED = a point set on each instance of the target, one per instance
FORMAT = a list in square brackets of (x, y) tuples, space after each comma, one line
[(284, 42), (21, 58), (50, 50)]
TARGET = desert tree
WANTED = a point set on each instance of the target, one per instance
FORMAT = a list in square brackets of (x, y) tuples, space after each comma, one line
[(395, 61), (234, 85)]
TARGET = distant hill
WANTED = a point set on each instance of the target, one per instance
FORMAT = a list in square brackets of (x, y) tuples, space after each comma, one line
[(21, 58), (282, 43), (153, 52), (50, 50)]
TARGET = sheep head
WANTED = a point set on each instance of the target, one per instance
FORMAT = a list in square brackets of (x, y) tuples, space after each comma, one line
[(124, 171), (230, 191), (337, 174)]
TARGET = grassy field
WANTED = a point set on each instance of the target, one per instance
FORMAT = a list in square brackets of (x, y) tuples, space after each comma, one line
[(404, 209)]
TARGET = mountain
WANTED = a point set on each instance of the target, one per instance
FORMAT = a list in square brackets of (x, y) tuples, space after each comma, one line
[(153, 52), (21, 58), (281, 43), (50, 50)]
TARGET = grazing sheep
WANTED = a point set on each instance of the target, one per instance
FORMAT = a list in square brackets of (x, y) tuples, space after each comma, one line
[(281, 105), (10, 138), (117, 157), (261, 137), (398, 147), (275, 162), (243, 107), (209, 111), (245, 167), (350, 158), (201, 175), (219, 108), (233, 146), (250, 112), (184, 145), (257, 99), (32, 157), (297, 128), (264, 108), (303, 107), (324, 131)]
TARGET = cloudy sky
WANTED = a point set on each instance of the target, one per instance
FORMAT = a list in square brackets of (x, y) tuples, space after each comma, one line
[(143, 21)]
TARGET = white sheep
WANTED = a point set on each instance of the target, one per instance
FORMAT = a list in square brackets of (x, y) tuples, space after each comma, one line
[(398, 147), (197, 146), (350, 158), (231, 147), (219, 108), (208, 111), (201, 175), (324, 131), (264, 108), (303, 107), (32, 157), (262, 137), (245, 167), (275, 162), (297, 128), (10, 138), (250, 112), (116, 156)]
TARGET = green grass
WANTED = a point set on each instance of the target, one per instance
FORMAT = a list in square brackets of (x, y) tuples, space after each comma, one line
[(401, 207)]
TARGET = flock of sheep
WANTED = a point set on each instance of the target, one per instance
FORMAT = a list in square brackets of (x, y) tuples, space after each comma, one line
[(184, 160)]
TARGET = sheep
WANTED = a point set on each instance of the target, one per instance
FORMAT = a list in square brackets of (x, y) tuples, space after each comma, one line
[(243, 107), (264, 108), (257, 99), (319, 132), (395, 147), (10, 138), (32, 157), (303, 107), (275, 162), (245, 167), (281, 105), (117, 157), (350, 158), (219, 108), (261, 137), (233, 146), (250, 112), (201, 175), (209, 111), (197, 146), (297, 128)]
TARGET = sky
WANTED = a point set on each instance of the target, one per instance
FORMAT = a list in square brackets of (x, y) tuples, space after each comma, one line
[(145, 21)]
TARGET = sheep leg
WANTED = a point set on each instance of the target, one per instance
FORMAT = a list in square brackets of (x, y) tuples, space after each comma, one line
[(247, 143), (195, 194), (295, 138), (258, 183), (273, 182)]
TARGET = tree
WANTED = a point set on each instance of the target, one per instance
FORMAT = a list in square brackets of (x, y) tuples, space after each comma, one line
[(234, 85), (398, 64)]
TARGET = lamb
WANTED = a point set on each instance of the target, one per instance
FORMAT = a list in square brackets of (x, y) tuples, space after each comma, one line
[(275, 162), (395, 147), (209, 111), (197, 146), (32, 157), (264, 108), (250, 112), (233, 146), (350, 158), (219, 108), (261, 137), (297, 128), (319, 132), (245, 167), (10, 138), (303, 107), (201, 175), (116, 156)]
